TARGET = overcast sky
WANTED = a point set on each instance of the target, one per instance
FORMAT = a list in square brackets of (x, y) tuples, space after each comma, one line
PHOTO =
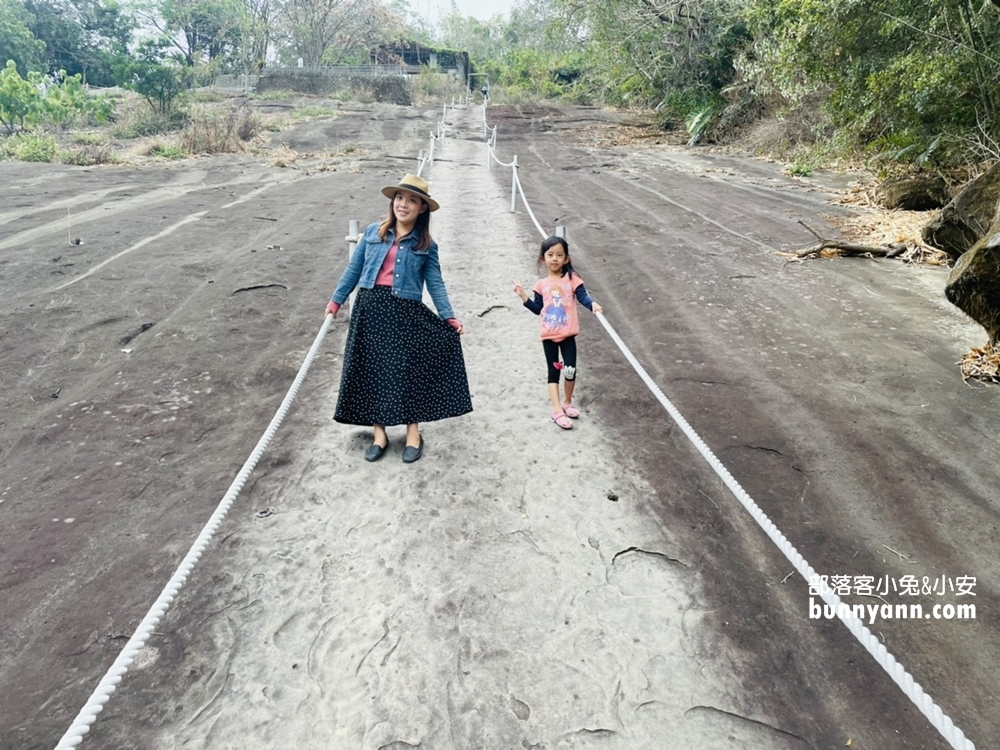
[(481, 9)]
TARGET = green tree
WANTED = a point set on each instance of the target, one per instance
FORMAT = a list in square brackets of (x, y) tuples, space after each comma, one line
[(645, 51), (17, 42), (254, 20), (160, 81), (483, 40), (905, 75), (334, 31), (202, 30), (65, 104), (39, 100), (80, 35), (20, 99)]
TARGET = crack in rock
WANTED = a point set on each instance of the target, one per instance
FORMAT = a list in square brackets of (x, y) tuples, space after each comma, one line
[(259, 286), (599, 732), (653, 553), (755, 722), (765, 448)]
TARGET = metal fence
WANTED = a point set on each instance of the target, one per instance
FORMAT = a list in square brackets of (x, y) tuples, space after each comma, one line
[(362, 71), (235, 83)]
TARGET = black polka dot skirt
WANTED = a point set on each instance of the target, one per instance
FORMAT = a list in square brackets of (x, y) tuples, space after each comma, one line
[(402, 364)]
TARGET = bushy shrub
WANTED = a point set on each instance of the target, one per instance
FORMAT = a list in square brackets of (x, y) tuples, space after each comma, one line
[(46, 100), (29, 147), (89, 155), (166, 151), (302, 113), (210, 133), (432, 87), (138, 121), (271, 95)]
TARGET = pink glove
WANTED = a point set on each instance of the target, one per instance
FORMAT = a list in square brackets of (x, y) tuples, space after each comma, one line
[(454, 323), (333, 307)]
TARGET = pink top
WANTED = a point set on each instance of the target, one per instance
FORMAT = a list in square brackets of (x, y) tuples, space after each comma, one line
[(559, 318), (385, 273)]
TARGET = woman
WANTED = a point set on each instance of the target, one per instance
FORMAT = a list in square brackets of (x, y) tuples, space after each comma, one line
[(402, 363)]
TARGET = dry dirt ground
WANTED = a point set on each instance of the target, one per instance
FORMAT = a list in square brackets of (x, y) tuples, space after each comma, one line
[(519, 586)]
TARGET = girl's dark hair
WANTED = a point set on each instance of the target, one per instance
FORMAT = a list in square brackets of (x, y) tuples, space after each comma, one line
[(422, 228), (548, 243)]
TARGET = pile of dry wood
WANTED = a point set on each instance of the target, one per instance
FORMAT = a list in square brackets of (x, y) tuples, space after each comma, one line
[(982, 364), (910, 252)]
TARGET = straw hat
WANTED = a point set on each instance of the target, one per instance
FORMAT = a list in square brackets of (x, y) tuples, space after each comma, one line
[(412, 184)]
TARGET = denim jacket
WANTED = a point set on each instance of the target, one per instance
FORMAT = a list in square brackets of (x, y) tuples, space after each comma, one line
[(414, 268)]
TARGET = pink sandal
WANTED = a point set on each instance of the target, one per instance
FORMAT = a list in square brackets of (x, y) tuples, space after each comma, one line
[(571, 411), (562, 420)]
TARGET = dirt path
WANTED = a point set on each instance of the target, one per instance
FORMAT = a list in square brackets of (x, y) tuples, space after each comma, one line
[(491, 595)]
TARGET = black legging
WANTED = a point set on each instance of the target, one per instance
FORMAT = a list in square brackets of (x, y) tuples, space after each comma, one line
[(568, 348)]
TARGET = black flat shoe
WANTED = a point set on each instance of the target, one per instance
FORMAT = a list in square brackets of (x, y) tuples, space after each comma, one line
[(411, 454), (375, 451)]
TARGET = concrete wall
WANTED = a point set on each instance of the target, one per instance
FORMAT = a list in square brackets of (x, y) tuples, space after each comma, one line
[(392, 89)]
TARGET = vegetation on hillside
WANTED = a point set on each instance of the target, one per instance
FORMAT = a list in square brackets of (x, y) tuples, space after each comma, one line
[(904, 81), (911, 82)]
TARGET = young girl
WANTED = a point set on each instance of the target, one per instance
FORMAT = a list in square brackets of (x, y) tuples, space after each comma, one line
[(555, 299)]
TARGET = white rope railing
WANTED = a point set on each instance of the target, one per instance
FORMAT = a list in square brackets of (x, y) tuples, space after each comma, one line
[(107, 686), (80, 726), (517, 183), (425, 158), (920, 698), (955, 737)]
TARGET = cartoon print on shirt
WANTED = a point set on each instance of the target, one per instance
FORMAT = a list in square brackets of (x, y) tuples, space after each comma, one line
[(554, 315)]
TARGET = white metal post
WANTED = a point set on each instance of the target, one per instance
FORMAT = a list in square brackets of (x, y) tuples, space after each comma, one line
[(513, 187), (431, 158), (353, 232), (561, 232)]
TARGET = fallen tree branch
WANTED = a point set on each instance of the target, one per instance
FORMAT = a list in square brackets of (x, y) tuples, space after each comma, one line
[(849, 248)]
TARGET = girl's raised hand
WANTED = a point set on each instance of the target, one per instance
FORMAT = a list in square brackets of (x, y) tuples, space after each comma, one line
[(518, 289)]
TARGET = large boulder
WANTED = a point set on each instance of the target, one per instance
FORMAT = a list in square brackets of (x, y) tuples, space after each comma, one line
[(915, 192), (974, 283), (967, 218)]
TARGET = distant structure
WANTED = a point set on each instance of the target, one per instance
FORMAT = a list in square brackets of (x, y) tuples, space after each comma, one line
[(413, 56), (386, 77)]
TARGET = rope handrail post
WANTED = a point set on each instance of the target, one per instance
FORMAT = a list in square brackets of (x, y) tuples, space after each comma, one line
[(489, 157), (513, 188), (917, 695), (353, 235), (431, 157)]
